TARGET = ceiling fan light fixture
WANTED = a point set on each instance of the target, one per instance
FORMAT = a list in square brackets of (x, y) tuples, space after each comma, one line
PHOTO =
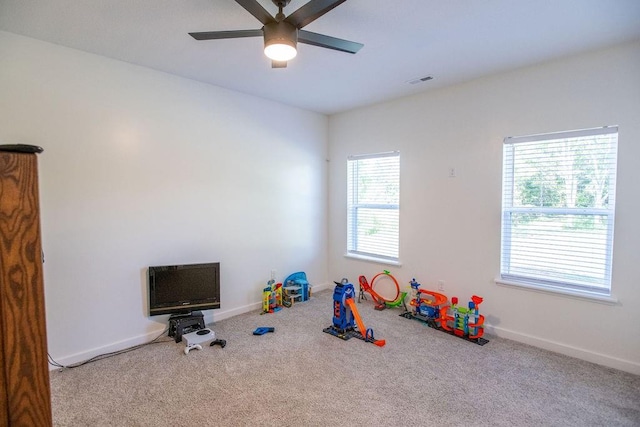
[(280, 51), (280, 41)]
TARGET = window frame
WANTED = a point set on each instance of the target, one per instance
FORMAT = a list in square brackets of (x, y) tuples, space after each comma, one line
[(353, 205), (566, 286)]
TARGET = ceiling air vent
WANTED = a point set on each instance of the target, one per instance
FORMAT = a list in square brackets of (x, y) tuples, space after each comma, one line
[(420, 80)]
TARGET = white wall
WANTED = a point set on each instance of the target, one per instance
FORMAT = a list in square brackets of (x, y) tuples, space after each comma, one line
[(450, 227), (144, 168)]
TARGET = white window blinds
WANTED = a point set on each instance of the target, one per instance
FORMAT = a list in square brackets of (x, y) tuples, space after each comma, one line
[(558, 209), (373, 205)]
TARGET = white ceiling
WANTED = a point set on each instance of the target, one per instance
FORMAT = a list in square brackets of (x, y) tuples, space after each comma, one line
[(451, 40)]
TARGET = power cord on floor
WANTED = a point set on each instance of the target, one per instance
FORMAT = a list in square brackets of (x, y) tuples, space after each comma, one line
[(52, 361)]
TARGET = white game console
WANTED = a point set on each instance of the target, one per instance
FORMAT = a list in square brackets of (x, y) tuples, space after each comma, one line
[(197, 339)]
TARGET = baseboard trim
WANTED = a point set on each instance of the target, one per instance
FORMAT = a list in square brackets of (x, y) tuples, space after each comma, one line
[(217, 315), (322, 287), (210, 318), (109, 348), (567, 350)]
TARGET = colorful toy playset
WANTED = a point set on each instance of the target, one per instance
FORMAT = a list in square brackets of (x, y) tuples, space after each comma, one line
[(272, 297), (296, 288), (464, 322), (344, 315), (427, 306), (435, 310), (381, 302)]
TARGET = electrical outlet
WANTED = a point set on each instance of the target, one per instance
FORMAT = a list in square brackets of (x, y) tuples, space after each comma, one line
[(441, 285), (274, 273), (452, 172)]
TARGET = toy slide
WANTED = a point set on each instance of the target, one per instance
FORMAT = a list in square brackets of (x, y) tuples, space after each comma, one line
[(365, 333)]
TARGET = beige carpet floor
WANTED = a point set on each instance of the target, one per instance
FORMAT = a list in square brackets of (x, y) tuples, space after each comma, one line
[(300, 376)]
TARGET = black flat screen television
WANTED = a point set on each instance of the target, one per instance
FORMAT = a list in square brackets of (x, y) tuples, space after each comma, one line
[(181, 289)]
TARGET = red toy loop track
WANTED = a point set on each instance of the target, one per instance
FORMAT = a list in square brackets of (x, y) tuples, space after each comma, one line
[(376, 296)]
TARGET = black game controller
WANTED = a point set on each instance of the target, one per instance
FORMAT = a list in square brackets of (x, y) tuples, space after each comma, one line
[(222, 343)]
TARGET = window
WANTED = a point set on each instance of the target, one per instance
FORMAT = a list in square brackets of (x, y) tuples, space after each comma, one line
[(373, 206), (558, 210)]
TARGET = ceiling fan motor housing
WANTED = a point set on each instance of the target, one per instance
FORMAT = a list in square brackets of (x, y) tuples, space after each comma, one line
[(280, 33)]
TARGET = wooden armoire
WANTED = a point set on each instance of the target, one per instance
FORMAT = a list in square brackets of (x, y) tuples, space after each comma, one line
[(25, 397)]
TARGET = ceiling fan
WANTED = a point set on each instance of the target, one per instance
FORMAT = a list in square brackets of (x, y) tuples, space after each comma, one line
[(282, 33)]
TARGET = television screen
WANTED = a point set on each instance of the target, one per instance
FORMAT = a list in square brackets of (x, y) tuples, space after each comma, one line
[(181, 289)]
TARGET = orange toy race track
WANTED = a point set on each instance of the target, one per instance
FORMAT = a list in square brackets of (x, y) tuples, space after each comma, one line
[(345, 313), (364, 331), (438, 299), (454, 319), (381, 302)]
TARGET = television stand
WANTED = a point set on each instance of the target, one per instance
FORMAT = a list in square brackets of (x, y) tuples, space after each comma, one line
[(180, 324)]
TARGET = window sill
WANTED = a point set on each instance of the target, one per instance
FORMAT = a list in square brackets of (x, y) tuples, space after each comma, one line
[(603, 299), (373, 259)]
